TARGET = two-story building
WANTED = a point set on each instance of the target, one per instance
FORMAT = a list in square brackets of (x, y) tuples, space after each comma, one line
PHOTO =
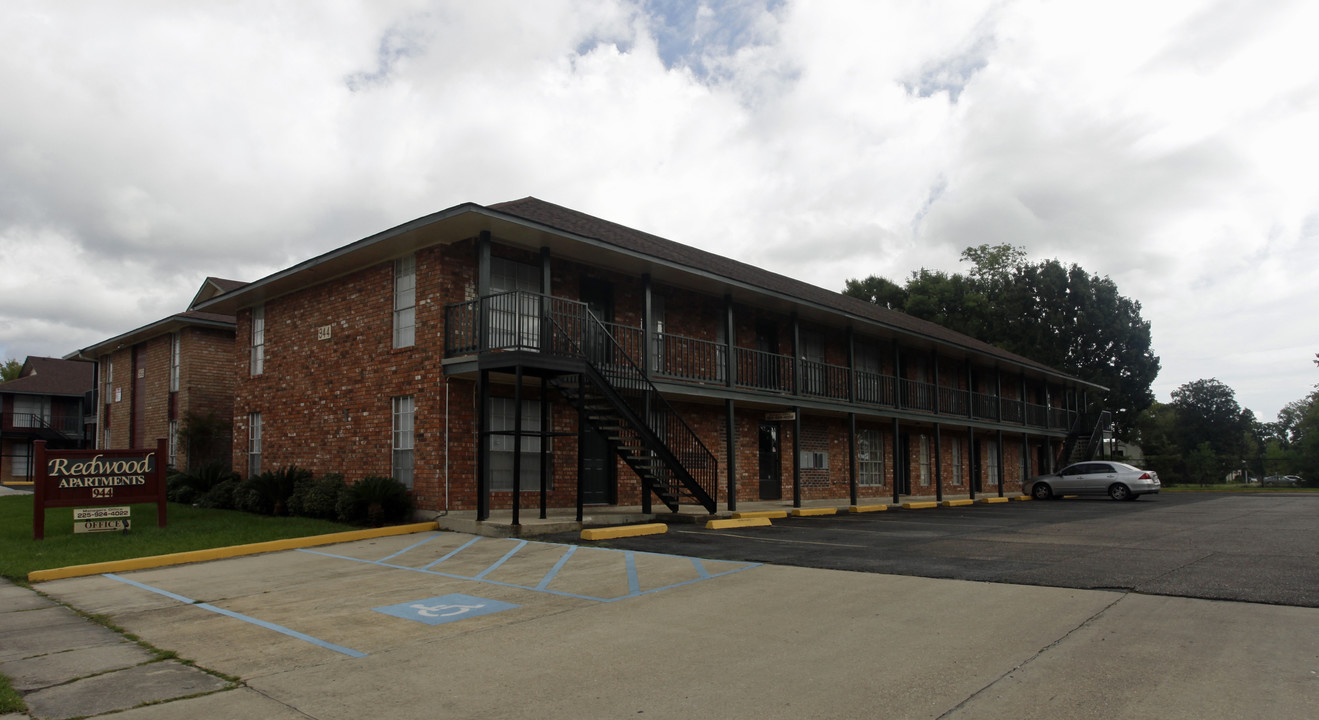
[(154, 380), (527, 355), (49, 400)]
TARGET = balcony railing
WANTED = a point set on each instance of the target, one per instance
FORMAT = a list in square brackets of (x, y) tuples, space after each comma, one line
[(513, 321), (65, 424)]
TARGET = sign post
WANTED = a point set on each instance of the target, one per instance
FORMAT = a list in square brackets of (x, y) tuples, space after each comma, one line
[(70, 478)]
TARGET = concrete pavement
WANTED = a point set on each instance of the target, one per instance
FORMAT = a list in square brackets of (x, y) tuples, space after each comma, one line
[(593, 632)]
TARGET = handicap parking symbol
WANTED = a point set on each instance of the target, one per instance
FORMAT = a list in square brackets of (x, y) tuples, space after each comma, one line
[(445, 608)]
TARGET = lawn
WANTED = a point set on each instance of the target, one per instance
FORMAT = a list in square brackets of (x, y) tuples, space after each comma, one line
[(188, 528)]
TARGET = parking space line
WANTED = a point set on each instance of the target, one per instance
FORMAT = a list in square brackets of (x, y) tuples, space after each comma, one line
[(521, 544), (240, 616), (549, 576), (633, 575), (412, 546), (453, 552)]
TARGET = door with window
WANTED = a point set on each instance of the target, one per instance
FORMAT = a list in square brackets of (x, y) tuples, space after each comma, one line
[(598, 295), (771, 463)]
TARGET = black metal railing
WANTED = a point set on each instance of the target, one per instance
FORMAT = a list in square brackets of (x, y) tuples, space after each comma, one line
[(517, 321)]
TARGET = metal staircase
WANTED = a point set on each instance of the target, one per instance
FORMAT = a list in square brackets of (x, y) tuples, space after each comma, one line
[(1085, 439), (617, 399)]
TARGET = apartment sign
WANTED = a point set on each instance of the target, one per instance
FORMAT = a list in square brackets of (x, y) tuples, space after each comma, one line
[(76, 478)]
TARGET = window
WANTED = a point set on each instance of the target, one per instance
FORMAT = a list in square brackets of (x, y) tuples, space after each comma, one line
[(514, 319), (109, 377), (401, 462), (176, 345), (657, 327), (22, 462), (173, 443), (956, 449), (925, 460), (107, 444), (870, 458), (405, 301), (258, 364), (871, 386), (1025, 462), (814, 372), (501, 445), (991, 462), (253, 444), (31, 411)]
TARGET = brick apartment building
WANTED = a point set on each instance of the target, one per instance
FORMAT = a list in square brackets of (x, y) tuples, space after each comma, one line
[(528, 348), (49, 400), (150, 380)]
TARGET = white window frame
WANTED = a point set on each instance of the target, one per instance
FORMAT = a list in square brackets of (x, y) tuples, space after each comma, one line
[(814, 460), (258, 350), (403, 434), (925, 460), (956, 452), (870, 458), (991, 462), (174, 443), (501, 446), (175, 352), (405, 301), (254, 430), (21, 465)]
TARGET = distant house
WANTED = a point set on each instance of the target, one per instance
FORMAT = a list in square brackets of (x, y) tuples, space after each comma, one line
[(152, 379), (49, 400), (525, 353)]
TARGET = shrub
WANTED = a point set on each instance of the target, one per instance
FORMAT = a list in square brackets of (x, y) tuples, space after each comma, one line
[(220, 497), (375, 500), (190, 487), (317, 497), (268, 493)]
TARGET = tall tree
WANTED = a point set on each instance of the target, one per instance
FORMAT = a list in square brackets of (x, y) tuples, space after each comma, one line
[(10, 369), (1056, 314), (1208, 412)]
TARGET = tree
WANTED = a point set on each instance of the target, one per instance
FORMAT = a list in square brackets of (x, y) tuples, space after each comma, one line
[(10, 369), (1056, 314), (1209, 416)]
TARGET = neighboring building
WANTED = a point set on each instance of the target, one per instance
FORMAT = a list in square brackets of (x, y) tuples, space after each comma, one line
[(152, 379), (49, 400), (482, 347)]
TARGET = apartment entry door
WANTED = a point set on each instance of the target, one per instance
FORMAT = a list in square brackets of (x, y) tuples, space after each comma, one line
[(599, 480), (771, 462), (902, 464)]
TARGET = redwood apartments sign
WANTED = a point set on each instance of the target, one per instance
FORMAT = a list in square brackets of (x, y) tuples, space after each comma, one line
[(74, 478)]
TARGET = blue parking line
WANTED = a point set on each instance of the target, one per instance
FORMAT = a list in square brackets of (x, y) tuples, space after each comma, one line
[(521, 544), (453, 552), (239, 616), (549, 576), (633, 576), (412, 546)]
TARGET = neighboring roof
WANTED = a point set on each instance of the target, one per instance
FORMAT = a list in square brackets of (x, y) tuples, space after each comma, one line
[(213, 286), (173, 323), (52, 376), (538, 223)]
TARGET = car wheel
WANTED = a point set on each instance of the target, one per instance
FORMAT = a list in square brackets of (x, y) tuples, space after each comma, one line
[(1041, 491), (1118, 491)]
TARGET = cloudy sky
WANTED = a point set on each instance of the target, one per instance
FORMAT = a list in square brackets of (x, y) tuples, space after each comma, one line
[(1170, 145)]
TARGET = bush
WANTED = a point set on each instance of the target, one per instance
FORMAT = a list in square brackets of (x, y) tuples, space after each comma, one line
[(220, 497), (268, 493), (317, 497), (190, 487), (375, 500)]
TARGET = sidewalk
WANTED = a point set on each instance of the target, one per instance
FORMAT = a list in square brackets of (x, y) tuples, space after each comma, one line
[(68, 666)]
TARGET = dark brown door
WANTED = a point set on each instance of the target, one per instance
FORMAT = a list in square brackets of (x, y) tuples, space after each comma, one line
[(771, 463)]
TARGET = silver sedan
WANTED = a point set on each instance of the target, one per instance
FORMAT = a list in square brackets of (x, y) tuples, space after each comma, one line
[(1119, 481)]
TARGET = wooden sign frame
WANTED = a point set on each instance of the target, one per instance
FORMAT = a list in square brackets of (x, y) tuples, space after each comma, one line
[(78, 478)]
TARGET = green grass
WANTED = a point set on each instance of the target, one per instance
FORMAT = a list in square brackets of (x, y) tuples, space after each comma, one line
[(10, 700), (187, 528)]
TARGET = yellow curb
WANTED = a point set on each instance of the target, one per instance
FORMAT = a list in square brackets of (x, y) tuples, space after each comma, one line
[(919, 505), (992, 500), (1021, 497), (737, 523), (807, 512), (619, 531), (193, 556), (867, 508), (760, 514), (958, 503)]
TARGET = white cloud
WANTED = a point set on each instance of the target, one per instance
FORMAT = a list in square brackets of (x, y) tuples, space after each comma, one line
[(1168, 145)]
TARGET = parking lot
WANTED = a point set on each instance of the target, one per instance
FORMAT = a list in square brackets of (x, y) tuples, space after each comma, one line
[(1247, 547), (444, 624)]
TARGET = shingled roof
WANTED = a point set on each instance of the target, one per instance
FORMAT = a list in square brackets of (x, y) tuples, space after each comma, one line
[(579, 223), (51, 376)]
